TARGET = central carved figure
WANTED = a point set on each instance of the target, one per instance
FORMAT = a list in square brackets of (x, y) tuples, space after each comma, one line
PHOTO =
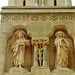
[(62, 49), (40, 58), (18, 48)]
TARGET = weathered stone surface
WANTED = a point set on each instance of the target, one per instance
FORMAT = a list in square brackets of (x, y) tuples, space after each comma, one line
[(17, 71), (40, 71), (64, 71)]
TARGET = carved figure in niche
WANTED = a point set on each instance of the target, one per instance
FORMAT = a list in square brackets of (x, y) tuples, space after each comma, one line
[(40, 53), (18, 48), (62, 49)]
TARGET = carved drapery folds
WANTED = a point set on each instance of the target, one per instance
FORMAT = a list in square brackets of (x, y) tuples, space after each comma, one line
[(62, 50), (18, 48), (40, 52)]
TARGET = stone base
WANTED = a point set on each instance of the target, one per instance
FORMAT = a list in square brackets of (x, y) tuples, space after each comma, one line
[(62, 71), (73, 74), (40, 70), (18, 71), (1, 70)]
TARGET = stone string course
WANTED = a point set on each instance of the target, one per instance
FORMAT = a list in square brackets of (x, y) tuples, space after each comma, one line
[(39, 17)]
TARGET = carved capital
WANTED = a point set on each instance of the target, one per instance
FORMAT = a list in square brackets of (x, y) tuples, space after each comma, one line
[(45, 43), (40, 42), (34, 43)]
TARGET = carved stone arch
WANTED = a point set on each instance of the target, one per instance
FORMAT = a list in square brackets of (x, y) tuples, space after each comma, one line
[(51, 46), (59, 27), (14, 29), (62, 28), (21, 27)]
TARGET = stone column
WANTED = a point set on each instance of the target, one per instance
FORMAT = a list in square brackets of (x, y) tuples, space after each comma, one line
[(35, 55), (43, 2), (36, 3), (45, 55)]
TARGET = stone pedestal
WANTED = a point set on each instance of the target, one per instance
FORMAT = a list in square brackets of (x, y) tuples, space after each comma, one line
[(64, 71), (40, 71), (1, 70), (18, 71), (72, 74)]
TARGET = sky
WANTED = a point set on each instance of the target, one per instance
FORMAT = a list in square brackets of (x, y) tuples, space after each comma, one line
[(5, 3)]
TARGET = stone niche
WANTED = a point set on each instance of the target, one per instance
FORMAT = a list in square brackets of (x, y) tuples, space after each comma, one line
[(53, 60), (18, 53), (61, 52)]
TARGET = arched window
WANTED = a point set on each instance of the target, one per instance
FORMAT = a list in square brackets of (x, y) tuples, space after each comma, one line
[(55, 3), (24, 3)]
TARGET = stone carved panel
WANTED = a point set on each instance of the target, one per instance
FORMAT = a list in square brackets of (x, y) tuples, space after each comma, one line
[(40, 52), (39, 17)]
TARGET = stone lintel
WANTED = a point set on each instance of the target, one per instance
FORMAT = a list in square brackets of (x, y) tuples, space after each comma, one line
[(38, 9)]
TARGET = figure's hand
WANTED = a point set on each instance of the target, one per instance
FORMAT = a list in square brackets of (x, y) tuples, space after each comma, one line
[(62, 40), (14, 51)]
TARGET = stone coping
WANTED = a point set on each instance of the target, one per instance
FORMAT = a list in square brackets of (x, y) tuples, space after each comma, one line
[(37, 9)]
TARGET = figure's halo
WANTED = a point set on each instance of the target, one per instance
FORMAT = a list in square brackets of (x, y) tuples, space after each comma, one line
[(59, 32)]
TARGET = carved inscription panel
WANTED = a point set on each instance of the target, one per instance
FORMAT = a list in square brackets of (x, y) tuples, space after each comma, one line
[(38, 17)]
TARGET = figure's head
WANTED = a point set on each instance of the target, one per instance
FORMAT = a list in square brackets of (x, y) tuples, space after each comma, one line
[(20, 34), (60, 34)]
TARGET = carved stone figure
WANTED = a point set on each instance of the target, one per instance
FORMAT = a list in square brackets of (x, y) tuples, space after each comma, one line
[(62, 49), (18, 48), (40, 56)]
